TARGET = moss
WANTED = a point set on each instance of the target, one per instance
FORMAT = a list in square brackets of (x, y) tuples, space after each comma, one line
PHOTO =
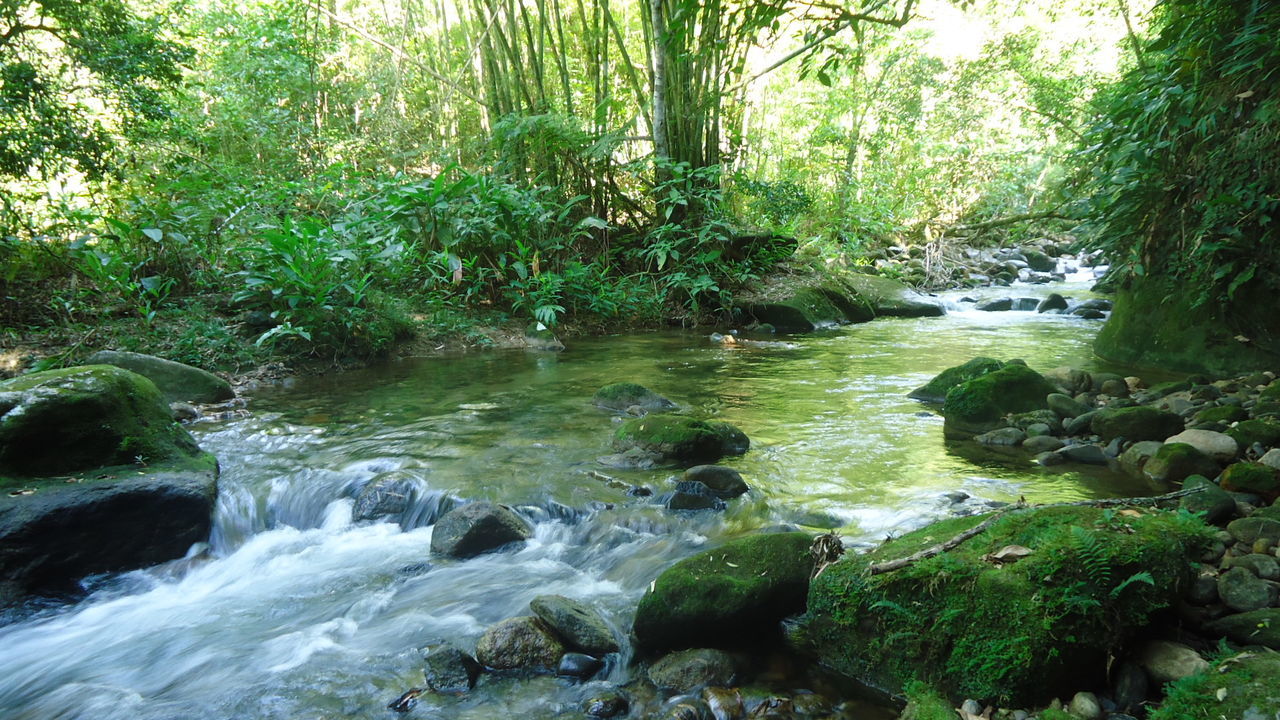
[(1263, 432), (732, 440), (1270, 392), (1160, 390), (936, 389), (1252, 686), (1017, 633), (728, 595), (1175, 462), (1136, 423), (1252, 477), (981, 403), (1223, 414), (926, 703), (681, 438), (622, 395), (63, 421)]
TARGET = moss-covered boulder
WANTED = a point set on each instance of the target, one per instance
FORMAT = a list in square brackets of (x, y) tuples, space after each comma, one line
[(935, 391), (1252, 477), (680, 439), (1216, 504), (1175, 462), (794, 304), (1262, 432), (176, 381), (132, 488), (726, 596), (621, 396), (1136, 423), (1245, 688), (982, 403), (1221, 415), (1017, 631)]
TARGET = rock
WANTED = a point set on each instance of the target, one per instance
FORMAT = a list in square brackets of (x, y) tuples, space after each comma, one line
[(1041, 443), (64, 421), (692, 496), (1088, 313), (623, 395), (579, 666), (606, 705), (1167, 661), (1136, 423), (1271, 459), (971, 706), (519, 643), (1257, 627), (836, 299), (387, 495), (854, 618), (1115, 388), (1085, 706), (1243, 591), (174, 380), (725, 482), (1041, 430), (1040, 262), (1064, 406), (997, 305), (184, 412), (1001, 437), (1251, 477), (1248, 688), (1129, 686), (724, 595), (1222, 448), (96, 424), (981, 404), (689, 670), (1264, 566), (1262, 432), (935, 391), (1221, 415), (1102, 378), (1133, 460), (477, 527), (578, 625), (1025, 304), (450, 671), (1213, 501), (1080, 425), (1085, 453), (1249, 529), (676, 438), (1053, 302), (1175, 462)]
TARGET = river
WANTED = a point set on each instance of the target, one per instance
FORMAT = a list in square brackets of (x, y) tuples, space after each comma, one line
[(296, 611)]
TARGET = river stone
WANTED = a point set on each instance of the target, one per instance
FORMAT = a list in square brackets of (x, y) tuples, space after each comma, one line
[(175, 380), (606, 705), (725, 482), (1136, 423), (1080, 425), (579, 666), (1064, 406), (1243, 591), (1223, 414), (726, 595), (1166, 661), (688, 670), (1249, 529), (1264, 566), (385, 496), (1129, 686), (1254, 478), (477, 527), (690, 495), (1257, 627), (578, 625), (1001, 437), (935, 391), (1041, 443), (1085, 705), (1085, 453), (623, 395), (676, 438), (449, 670), (1216, 503), (997, 305), (1099, 379), (1262, 432), (1271, 459), (1040, 262), (1175, 462), (1222, 448), (981, 404), (1135, 458), (1115, 388), (519, 643), (1074, 381), (1053, 301)]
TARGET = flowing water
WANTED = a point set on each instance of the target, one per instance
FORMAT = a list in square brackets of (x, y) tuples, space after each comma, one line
[(296, 611)]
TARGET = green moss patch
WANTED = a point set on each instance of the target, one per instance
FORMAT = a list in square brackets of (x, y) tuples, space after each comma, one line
[(935, 391), (1016, 633), (1136, 423), (1249, 688), (1252, 477), (1225, 414), (680, 438), (980, 404), (1263, 432)]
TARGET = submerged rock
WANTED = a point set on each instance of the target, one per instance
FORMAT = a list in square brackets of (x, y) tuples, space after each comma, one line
[(175, 380), (725, 482), (624, 395), (386, 496), (519, 643), (477, 527), (449, 670), (689, 670)]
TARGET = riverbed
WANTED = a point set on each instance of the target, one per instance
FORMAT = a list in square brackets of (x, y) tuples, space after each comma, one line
[(295, 610)]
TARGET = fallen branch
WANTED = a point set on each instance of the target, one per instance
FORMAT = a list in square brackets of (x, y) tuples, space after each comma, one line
[(891, 565), (1010, 220)]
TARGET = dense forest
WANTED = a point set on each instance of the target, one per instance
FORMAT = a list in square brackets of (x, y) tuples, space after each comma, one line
[(231, 180)]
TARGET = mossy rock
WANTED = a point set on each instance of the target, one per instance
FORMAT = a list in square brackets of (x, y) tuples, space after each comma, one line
[(1225, 414), (1018, 633), (64, 421), (809, 308), (981, 404), (1270, 392), (1136, 423), (620, 396), (835, 298), (676, 438), (935, 391), (726, 596), (1252, 477), (1216, 504), (176, 381), (1175, 462), (1263, 432), (1247, 688)]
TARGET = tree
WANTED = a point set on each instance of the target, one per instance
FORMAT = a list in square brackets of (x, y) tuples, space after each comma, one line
[(75, 76)]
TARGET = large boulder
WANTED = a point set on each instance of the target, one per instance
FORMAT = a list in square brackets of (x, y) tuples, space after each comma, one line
[(728, 595), (680, 439), (476, 528), (519, 643), (1175, 462), (1028, 609), (935, 391), (1221, 447), (800, 305), (133, 488), (579, 626), (1136, 423), (621, 396), (982, 403), (176, 381), (1258, 627)]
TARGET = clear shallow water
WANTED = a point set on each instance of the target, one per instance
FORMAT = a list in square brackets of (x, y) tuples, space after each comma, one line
[(297, 612)]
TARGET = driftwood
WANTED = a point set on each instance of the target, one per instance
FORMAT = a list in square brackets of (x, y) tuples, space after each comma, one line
[(891, 565), (1010, 220)]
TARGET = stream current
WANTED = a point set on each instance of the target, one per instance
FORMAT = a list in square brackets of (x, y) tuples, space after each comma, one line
[(296, 611)]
